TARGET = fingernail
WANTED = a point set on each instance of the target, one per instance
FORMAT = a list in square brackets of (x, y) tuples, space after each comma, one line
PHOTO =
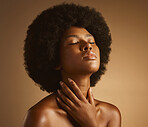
[(90, 90), (58, 91), (69, 79), (58, 99), (61, 83)]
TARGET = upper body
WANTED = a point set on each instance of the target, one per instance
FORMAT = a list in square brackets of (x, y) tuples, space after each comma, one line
[(70, 47), (47, 113)]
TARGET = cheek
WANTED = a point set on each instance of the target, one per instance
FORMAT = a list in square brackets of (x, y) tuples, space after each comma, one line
[(71, 61), (97, 51), (70, 58)]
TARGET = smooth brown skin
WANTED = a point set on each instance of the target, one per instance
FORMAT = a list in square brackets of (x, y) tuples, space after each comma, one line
[(74, 105)]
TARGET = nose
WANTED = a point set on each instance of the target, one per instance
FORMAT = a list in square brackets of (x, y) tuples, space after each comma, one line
[(86, 46)]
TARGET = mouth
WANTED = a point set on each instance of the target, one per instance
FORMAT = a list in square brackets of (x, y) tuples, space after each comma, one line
[(89, 56)]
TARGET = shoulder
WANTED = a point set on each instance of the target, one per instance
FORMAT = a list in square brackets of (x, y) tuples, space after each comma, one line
[(41, 114), (35, 118), (110, 112)]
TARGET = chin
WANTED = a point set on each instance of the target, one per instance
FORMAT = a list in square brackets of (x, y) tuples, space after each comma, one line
[(93, 70), (92, 67), (90, 70)]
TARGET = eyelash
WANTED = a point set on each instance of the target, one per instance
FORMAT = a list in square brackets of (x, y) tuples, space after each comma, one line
[(92, 42), (78, 42)]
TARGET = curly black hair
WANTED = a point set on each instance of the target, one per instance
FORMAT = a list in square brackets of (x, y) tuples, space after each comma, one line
[(41, 48)]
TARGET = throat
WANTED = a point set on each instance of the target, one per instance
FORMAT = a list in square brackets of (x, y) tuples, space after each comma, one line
[(82, 81)]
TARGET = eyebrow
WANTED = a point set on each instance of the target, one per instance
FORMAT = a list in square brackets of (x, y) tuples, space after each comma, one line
[(76, 36)]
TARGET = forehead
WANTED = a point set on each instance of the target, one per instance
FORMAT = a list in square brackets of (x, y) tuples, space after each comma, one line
[(76, 32), (74, 29)]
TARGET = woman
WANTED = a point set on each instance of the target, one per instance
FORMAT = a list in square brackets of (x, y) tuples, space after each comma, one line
[(66, 50)]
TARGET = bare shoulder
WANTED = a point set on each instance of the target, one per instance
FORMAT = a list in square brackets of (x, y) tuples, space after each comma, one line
[(110, 112), (107, 107), (36, 118), (41, 114)]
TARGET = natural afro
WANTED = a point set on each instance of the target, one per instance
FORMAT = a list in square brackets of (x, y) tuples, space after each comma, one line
[(41, 49)]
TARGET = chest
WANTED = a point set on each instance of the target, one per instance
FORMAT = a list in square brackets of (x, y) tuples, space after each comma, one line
[(64, 120), (61, 120)]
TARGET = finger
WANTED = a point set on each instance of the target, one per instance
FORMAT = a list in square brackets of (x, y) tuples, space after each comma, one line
[(76, 90), (91, 98), (66, 100), (69, 93), (63, 105)]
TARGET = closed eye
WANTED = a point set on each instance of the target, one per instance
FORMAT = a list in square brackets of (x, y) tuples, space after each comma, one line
[(73, 43), (92, 42), (78, 42)]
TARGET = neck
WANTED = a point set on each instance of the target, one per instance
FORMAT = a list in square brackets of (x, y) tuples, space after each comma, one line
[(82, 81)]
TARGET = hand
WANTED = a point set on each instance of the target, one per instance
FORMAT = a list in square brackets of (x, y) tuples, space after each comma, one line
[(75, 104)]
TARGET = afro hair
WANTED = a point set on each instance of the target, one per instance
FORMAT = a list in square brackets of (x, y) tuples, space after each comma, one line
[(41, 48)]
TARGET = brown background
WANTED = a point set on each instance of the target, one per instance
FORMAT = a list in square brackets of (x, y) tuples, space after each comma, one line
[(125, 82)]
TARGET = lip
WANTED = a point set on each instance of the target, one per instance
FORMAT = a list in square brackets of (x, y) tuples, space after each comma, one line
[(89, 56)]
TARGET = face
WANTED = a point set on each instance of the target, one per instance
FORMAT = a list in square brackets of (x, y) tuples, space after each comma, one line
[(79, 53)]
